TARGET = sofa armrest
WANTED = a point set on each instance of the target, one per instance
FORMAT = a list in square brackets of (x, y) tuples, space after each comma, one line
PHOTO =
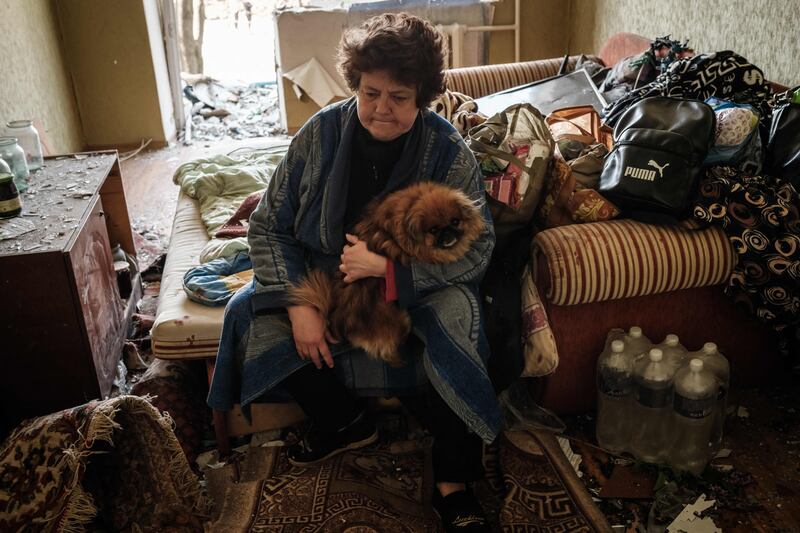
[(585, 263), (480, 81)]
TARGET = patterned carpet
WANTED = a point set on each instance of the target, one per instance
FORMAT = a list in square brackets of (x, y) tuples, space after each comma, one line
[(529, 486), (381, 489), (112, 465)]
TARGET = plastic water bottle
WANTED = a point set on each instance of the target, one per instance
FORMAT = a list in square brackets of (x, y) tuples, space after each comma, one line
[(652, 408), (636, 343), (614, 388), (717, 364), (614, 334), (694, 404), (675, 354)]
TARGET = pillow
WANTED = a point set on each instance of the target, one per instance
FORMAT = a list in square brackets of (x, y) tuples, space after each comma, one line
[(236, 226), (539, 343)]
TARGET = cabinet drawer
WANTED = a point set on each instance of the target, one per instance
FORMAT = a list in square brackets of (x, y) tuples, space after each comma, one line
[(96, 294)]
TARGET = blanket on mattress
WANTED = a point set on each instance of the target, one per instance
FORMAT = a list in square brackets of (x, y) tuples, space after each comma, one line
[(220, 184)]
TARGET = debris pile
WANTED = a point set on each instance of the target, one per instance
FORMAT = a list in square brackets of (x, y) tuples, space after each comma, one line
[(220, 111)]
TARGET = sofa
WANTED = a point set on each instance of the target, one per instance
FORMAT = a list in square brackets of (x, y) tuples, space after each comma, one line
[(664, 279), (669, 288)]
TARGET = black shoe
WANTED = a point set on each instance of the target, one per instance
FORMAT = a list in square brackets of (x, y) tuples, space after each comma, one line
[(460, 512), (318, 445)]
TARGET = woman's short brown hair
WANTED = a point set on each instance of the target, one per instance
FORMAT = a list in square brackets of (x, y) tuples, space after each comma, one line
[(409, 48)]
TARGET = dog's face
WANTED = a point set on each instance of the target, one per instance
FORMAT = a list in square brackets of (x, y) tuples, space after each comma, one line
[(428, 222)]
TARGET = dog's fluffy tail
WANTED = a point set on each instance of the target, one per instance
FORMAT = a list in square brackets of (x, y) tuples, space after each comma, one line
[(315, 290)]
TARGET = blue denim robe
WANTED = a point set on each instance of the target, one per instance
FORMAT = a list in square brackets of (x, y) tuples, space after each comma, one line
[(298, 225)]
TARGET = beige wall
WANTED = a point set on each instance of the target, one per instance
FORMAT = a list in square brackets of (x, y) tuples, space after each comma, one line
[(110, 57), (35, 83), (766, 32)]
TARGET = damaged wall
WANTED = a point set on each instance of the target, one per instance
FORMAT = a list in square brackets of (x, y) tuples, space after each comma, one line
[(116, 70), (764, 32), (35, 80), (303, 33)]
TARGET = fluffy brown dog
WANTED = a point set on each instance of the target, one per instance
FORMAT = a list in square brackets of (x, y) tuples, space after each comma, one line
[(427, 222)]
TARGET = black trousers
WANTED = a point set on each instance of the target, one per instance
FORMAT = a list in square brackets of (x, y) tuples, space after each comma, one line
[(457, 452)]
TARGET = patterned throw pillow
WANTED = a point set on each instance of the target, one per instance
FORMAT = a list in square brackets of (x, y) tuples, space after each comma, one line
[(539, 343)]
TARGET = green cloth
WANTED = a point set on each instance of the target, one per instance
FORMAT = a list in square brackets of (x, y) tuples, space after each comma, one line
[(220, 184)]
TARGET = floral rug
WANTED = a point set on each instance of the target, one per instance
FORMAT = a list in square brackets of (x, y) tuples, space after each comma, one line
[(112, 465), (530, 486)]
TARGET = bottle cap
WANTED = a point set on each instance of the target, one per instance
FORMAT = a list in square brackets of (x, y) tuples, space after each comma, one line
[(709, 347), (617, 346), (696, 365), (656, 355), (635, 332), (672, 340)]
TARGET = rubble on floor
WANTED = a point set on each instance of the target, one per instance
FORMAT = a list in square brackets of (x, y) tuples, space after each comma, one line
[(220, 110), (751, 480)]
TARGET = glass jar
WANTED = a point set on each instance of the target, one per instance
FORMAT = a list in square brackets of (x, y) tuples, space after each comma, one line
[(28, 139), (12, 154), (10, 205)]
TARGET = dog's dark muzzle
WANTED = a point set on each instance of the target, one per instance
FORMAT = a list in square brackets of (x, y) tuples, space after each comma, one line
[(448, 237)]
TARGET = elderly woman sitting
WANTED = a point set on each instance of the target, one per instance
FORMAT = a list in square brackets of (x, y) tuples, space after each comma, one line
[(380, 140)]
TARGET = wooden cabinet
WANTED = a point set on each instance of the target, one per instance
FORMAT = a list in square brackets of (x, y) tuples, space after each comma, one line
[(62, 321)]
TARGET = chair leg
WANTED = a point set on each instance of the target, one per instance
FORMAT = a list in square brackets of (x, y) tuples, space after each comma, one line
[(221, 432), (220, 420)]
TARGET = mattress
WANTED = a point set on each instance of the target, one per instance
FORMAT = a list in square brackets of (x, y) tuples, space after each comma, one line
[(184, 329)]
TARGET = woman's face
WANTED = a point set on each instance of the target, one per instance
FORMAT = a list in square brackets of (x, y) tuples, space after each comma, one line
[(386, 109)]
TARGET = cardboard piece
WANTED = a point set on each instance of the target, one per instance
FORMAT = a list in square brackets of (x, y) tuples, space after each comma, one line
[(687, 520), (315, 81)]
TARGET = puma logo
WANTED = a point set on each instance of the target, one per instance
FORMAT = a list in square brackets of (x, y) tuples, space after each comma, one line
[(640, 173), (658, 167)]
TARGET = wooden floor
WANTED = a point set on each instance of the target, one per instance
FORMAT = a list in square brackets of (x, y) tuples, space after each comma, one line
[(147, 177)]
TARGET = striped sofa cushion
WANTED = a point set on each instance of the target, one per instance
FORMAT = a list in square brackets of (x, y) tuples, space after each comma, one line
[(488, 79), (622, 258)]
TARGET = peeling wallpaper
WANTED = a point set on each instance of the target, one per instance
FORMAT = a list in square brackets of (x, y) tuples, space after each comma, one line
[(766, 32), (34, 82)]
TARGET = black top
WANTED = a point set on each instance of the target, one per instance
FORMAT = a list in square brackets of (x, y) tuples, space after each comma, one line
[(371, 165)]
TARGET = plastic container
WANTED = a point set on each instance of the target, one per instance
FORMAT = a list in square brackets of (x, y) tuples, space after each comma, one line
[(675, 353), (28, 138), (14, 156), (636, 343), (614, 390), (652, 409), (694, 405), (717, 364)]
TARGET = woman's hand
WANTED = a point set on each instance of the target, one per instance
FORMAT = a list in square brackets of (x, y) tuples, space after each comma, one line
[(310, 334), (358, 262)]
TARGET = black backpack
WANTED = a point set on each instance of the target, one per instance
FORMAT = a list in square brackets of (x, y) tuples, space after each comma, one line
[(783, 146), (653, 170)]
